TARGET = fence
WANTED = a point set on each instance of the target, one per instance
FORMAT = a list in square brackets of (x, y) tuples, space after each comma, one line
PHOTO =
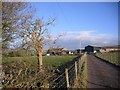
[(70, 75)]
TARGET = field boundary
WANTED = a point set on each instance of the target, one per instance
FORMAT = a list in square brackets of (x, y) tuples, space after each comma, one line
[(70, 77)]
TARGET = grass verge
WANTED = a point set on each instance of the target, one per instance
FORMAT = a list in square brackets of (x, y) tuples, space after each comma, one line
[(83, 75), (112, 57)]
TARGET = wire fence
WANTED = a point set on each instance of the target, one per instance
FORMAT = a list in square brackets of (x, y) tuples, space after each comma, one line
[(70, 75)]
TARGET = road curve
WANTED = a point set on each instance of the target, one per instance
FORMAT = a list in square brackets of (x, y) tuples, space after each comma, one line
[(101, 74)]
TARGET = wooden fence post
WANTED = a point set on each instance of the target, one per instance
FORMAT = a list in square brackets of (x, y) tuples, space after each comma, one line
[(76, 70), (67, 78)]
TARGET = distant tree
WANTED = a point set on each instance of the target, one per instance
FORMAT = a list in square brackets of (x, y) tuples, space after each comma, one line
[(14, 15)]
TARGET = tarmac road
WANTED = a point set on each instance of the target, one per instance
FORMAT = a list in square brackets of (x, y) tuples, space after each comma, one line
[(101, 74)]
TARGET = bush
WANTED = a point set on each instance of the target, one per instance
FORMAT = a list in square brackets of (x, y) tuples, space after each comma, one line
[(22, 75)]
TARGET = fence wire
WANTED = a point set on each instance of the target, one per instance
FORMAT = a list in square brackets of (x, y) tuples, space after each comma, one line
[(60, 81)]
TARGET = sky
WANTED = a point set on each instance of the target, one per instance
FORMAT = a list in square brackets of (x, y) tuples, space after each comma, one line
[(61, 0), (81, 23)]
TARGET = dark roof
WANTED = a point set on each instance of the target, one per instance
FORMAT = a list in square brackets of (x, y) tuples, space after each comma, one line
[(115, 46), (89, 46)]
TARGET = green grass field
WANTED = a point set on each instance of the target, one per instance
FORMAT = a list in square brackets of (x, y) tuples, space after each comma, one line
[(50, 61), (22, 71), (112, 57)]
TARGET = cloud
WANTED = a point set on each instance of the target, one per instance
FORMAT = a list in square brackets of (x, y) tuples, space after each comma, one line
[(72, 39)]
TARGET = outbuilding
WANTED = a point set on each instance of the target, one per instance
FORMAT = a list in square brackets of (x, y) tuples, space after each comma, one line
[(89, 49)]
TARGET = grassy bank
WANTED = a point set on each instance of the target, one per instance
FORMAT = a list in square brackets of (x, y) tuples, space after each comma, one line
[(112, 57), (83, 75)]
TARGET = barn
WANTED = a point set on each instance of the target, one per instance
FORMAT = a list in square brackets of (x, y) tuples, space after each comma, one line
[(89, 49)]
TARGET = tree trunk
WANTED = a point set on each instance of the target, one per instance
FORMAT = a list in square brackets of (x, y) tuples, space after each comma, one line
[(39, 57), (39, 52)]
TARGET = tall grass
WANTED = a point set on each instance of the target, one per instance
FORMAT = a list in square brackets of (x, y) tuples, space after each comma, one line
[(84, 73), (112, 57)]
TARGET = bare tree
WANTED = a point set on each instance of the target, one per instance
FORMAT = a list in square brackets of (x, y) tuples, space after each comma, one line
[(14, 15), (36, 36)]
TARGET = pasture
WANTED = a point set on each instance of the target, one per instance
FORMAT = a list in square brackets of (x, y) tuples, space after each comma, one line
[(22, 71), (51, 62)]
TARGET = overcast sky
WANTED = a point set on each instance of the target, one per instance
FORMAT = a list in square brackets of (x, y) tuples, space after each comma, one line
[(92, 23)]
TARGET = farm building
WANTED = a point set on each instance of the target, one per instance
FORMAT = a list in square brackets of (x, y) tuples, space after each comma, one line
[(102, 49), (89, 49), (57, 51), (60, 51), (112, 48), (93, 49)]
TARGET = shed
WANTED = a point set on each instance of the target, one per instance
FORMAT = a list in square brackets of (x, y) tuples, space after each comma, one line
[(89, 49)]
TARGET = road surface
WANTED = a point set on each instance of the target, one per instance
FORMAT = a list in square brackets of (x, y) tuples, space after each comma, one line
[(101, 74)]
